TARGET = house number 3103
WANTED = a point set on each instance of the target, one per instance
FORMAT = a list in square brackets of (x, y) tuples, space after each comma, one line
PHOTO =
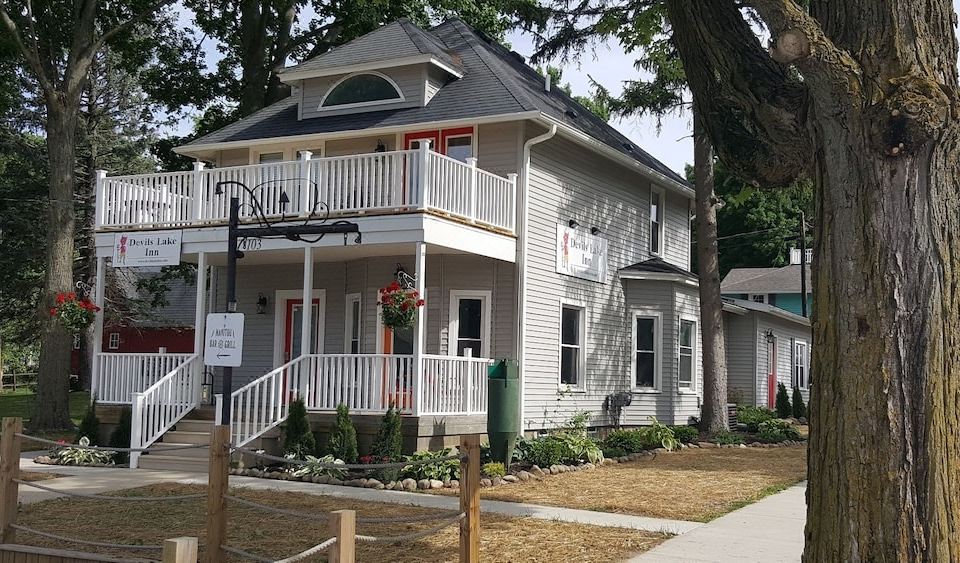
[(249, 244)]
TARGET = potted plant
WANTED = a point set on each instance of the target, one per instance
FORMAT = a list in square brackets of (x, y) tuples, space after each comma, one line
[(74, 314), (398, 306)]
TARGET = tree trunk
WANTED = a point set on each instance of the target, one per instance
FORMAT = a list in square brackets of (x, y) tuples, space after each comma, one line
[(51, 409), (714, 412), (884, 430)]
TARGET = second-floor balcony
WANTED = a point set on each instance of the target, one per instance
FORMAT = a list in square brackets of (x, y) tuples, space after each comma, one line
[(376, 183)]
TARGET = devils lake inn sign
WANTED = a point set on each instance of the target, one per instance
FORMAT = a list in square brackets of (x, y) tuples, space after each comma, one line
[(580, 254), (150, 248)]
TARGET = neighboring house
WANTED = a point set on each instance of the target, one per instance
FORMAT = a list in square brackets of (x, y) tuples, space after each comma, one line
[(534, 230), (765, 345), (779, 287)]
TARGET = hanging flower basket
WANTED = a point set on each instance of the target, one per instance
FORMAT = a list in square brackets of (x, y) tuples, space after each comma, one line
[(74, 314), (398, 306)]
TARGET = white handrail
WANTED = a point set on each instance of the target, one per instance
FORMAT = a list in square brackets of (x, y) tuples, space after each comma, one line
[(119, 375), (163, 404), (454, 385), (367, 383), (261, 404)]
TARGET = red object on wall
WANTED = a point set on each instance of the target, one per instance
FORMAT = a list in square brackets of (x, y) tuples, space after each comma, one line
[(771, 390), (141, 340)]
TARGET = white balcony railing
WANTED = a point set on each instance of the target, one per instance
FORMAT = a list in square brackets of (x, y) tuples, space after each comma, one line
[(163, 404), (377, 182), (118, 376)]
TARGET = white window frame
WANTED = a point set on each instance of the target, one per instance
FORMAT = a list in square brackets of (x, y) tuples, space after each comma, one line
[(694, 352), (657, 350), (402, 98), (113, 341), (753, 298), (581, 383), (473, 142), (801, 358), (663, 219), (453, 320), (348, 321)]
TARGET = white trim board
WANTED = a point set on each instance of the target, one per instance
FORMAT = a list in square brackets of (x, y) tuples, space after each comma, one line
[(453, 320)]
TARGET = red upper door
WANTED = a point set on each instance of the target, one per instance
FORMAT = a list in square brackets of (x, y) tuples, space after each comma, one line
[(456, 143)]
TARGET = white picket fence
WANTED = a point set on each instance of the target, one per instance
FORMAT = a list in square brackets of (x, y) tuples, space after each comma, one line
[(163, 404), (454, 385), (117, 377), (362, 183)]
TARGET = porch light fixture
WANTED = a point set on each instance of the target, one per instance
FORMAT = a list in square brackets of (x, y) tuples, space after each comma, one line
[(380, 146), (595, 231), (405, 280), (769, 336), (261, 304), (573, 223)]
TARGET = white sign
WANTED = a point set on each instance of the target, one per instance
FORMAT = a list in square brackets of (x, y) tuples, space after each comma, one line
[(149, 248), (224, 340), (581, 254)]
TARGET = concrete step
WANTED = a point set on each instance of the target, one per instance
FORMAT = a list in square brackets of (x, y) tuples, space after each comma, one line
[(188, 425), (186, 437), (174, 463), (192, 453)]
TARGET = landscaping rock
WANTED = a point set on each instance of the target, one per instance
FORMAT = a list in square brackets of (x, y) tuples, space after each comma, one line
[(496, 481), (446, 482), (692, 446), (373, 484), (486, 483), (524, 476), (589, 465), (707, 445), (321, 479), (510, 478), (436, 484), (743, 445), (335, 481), (554, 469), (536, 471), (423, 484), (454, 484), (624, 459), (409, 484)]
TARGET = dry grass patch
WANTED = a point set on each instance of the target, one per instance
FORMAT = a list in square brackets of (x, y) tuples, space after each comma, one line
[(692, 484), (33, 476), (502, 539)]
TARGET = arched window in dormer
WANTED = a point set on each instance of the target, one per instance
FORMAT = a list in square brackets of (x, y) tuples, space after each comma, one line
[(362, 89)]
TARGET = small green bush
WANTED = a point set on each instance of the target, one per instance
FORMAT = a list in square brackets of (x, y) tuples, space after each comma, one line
[(685, 434), (343, 437), (627, 441), (660, 436), (545, 451), (726, 438), (753, 416), (784, 410), (90, 426), (389, 440), (799, 409), (613, 452), (318, 466), (120, 437), (493, 469), (441, 470), (775, 431), (298, 438)]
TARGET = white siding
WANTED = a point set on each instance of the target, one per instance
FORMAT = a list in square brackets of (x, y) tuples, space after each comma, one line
[(741, 352), (498, 147), (687, 403), (409, 78)]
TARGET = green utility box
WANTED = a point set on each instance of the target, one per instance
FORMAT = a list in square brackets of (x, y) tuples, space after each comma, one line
[(503, 409)]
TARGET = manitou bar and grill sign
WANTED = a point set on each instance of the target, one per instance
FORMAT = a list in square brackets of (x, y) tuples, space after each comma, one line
[(154, 248), (581, 254), (223, 344)]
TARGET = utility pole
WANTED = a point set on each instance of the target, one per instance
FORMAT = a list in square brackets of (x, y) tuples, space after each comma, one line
[(803, 264)]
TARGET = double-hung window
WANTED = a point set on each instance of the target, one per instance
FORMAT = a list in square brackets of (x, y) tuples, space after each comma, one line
[(571, 345), (801, 373), (645, 351), (688, 347), (656, 221), (353, 324), (113, 342)]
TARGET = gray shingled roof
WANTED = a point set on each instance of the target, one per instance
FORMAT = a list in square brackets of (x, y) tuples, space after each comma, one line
[(656, 265), (393, 41), (764, 280), (496, 81), (769, 309)]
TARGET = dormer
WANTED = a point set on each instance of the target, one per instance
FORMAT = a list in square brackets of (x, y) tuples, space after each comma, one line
[(397, 66)]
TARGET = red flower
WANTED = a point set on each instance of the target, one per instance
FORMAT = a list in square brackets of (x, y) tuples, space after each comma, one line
[(420, 302), (61, 298), (71, 296), (53, 311), (405, 305)]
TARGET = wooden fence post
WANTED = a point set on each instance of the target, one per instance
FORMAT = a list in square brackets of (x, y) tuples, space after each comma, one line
[(9, 471), (470, 498), (218, 481), (343, 526), (180, 550)]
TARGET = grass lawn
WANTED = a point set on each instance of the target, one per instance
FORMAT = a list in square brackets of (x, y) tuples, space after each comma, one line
[(34, 476), (20, 403), (275, 536), (692, 484)]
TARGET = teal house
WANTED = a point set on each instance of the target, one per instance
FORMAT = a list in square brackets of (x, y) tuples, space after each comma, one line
[(779, 287)]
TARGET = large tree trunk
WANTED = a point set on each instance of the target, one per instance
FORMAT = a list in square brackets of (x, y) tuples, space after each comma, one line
[(714, 412), (51, 409)]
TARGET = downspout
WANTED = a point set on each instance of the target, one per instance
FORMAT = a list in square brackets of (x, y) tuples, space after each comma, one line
[(522, 192)]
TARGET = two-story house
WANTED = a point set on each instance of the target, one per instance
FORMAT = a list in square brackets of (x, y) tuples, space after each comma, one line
[(780, 287), (533, 229)]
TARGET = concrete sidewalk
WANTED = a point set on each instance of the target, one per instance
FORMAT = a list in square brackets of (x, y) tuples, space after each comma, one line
[(768, 531)]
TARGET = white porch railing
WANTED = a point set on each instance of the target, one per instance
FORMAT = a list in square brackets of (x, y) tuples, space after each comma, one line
[(118, 376), (163, 404), (367, 383), (375, 182)]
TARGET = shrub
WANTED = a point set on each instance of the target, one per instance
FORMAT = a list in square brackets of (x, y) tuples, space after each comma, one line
[(578, 447), (799, 409), (545, 451), (613, 452), (80, 456), (120, 437), (317, 466), (774, 431), (493, 469), (627, 441), (343, 436), (441, 470), (298, 438), (659, 435), (389, 440), (90, 425), (753, 416), (685, 434), (726, 437), (783, 402)]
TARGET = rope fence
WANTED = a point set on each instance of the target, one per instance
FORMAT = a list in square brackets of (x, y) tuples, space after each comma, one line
[(340, 547), (153, 449)]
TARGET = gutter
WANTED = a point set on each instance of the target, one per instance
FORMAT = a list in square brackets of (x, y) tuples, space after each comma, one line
[(523, 192)]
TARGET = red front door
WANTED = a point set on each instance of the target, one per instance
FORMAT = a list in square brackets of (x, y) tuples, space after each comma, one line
[(293, 329)]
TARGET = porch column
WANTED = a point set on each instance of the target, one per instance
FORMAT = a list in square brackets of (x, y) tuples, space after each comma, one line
[(420, 273), (200, 324), (307, 326), (97, 347)]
